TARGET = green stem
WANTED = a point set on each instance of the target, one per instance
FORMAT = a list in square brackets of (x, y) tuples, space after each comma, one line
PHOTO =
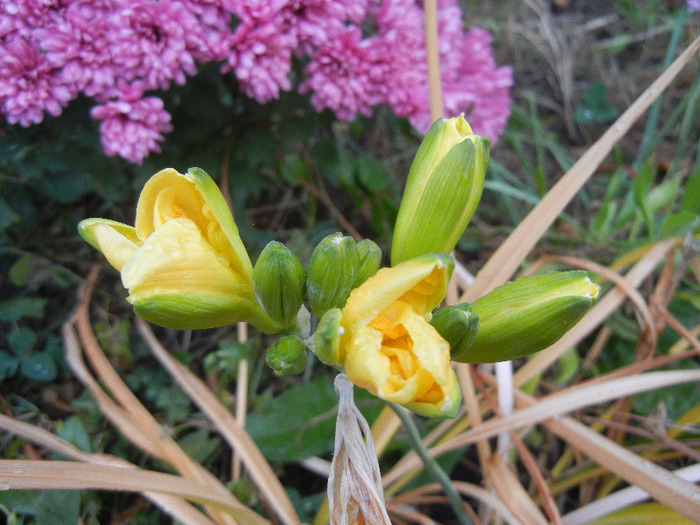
[(431, 465)]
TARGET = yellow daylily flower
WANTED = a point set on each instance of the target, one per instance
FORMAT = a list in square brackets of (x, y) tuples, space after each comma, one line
[(183, 262), (386, 343)]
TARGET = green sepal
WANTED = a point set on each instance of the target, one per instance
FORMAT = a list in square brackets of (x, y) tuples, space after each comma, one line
[(370, 258), (287, 356), (458, 325), (278, 283), (327, 337), (195, 311), (332, 272)]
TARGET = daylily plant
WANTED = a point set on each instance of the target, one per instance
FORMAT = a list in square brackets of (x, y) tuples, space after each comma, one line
[(186, 267)]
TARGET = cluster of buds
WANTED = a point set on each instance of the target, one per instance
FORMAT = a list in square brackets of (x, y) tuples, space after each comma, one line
[(185, 266)]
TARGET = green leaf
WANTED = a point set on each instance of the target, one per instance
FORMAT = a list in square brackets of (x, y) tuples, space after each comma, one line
[(300, 422), (7, 215), (73, 430), (691, 196), (19, 307), (595, 109), (39, 367), (9, 364), (22, 340), (199, 445), (58, 506)]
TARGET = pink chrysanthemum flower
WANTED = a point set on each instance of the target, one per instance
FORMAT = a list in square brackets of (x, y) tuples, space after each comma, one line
[(479, 88), (29, 84), (261, 58), (132, 127), (315, 22), (341, 76)]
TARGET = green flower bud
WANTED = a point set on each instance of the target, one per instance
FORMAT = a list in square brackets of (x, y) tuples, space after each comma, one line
[(278, 283), (458, 325), (370, 258), (332, 272), (529, 314), (442, 192), (287, 356), (327, 337)]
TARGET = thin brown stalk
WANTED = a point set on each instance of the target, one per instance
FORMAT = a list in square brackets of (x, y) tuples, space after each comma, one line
[(255, 462), (432, 54), (241, 397)]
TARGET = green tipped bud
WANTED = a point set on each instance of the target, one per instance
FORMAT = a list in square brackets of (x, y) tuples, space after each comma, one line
[(442, 192), (370, 258), (287, 356), (458, 325), (278, 282), (530, 314), (327, 337), (332, 272)]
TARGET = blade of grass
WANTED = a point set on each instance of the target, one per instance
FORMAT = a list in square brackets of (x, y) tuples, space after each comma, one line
[(175, 506), (505, 261), (21, 474), (554, 406)]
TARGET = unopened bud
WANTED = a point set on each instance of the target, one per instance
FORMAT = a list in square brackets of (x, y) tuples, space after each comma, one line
[(370, 258), (327, 337), (529, 314), (458, 325), (332, 272), (442, 191), (278, 282), (287, 356)]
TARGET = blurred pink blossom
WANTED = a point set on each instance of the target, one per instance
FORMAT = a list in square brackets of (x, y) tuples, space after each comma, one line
[(353, 55), (132, 127)]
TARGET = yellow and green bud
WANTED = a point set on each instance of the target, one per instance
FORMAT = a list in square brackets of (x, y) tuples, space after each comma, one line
[(183, 262), (332, 273), (529, 314), (442, 191), (278, 282), (370, 258), (458, 325), (287, 356)]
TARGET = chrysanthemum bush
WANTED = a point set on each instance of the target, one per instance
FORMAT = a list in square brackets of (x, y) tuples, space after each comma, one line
[(349, 56)]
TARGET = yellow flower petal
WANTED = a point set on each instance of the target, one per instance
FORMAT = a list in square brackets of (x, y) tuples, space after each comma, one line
[(387, 345), (177, 258), (116, 241)]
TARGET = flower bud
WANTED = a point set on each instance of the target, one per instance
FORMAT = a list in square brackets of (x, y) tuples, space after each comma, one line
[(278, 282), (370, 258), (442, 191), (332, 272), (287, 356), (327, 337), (458, 325), (529, 315)]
